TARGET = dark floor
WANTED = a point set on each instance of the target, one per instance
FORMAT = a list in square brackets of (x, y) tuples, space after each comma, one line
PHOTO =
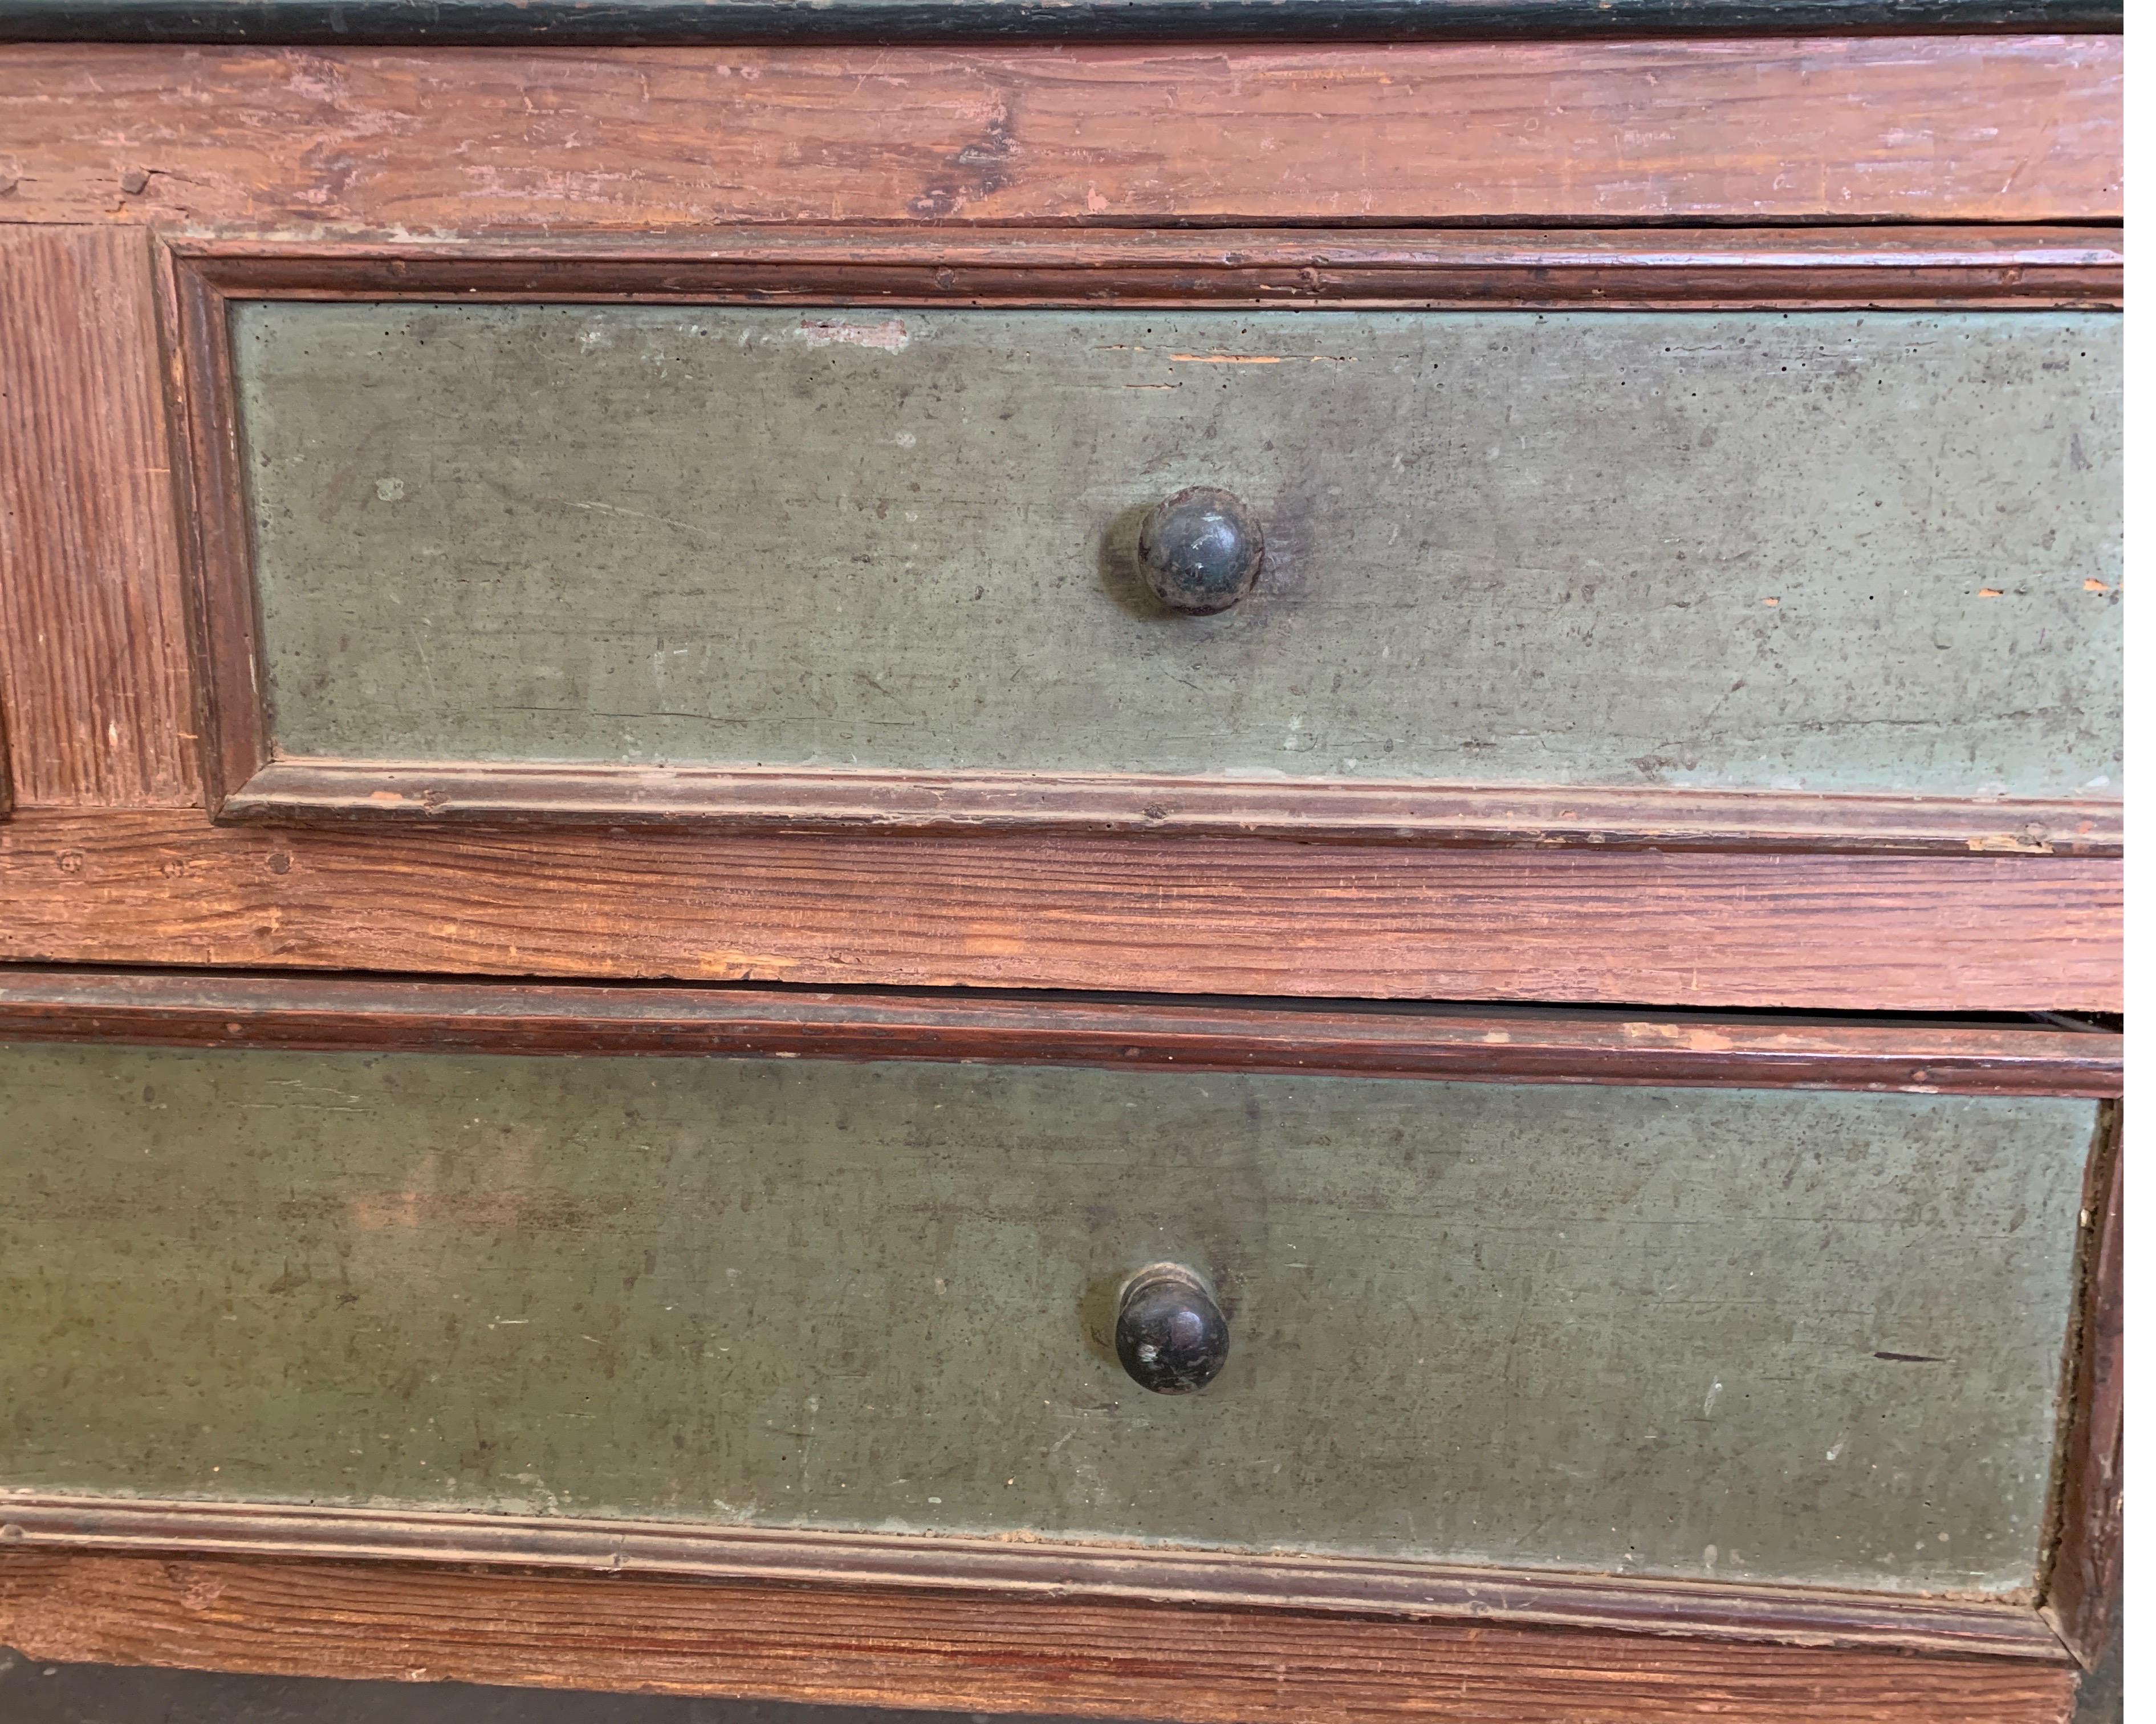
[(93, 1694), (2103, 1690)]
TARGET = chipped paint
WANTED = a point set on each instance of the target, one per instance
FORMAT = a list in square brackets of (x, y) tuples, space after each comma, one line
[(888, 337)]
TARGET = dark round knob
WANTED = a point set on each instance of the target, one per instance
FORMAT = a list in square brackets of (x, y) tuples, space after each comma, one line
[(1200, 550), (1169, 1332)]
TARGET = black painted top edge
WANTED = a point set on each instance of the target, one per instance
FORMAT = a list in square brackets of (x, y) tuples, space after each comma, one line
[(628, 24)]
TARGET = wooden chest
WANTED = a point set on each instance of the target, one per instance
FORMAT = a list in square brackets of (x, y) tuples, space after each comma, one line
[(1197, 862)]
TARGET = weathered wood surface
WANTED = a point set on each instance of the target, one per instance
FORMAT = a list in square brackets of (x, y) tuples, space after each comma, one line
[(521, 795), (93, 643), (663, 22), (1007, 1569), (2012, 129), (1088, 1659), (1707, 1334), (1489, 1043), (344, 793), (1501, 548), (1177, 916), (1795, 268), (2083, 1593)]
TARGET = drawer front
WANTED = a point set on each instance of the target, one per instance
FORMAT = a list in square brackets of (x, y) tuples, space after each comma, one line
[(1833, 550), (1806, 1337)]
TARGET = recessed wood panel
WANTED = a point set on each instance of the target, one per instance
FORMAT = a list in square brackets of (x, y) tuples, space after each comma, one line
[(1719, 1334)]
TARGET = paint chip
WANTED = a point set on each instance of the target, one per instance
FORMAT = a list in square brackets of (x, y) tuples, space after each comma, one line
[(888, 337)]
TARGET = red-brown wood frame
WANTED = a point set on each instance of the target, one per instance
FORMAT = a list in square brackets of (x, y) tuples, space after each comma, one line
[(248, 780), (1467, 1044), (111, 859), (1756, 131), (2084, 1569)]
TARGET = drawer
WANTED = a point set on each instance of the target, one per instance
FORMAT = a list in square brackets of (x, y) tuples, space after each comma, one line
[(1739, 1333), (814, 566)]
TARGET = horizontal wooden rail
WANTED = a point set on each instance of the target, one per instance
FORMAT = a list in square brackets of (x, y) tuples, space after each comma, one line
[(1928, 934), (1748, 130), (916, 264), (1470, 1043)]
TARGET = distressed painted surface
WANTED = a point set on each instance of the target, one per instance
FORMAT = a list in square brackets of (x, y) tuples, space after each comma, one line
[(1812, 1337), (1836, 550)]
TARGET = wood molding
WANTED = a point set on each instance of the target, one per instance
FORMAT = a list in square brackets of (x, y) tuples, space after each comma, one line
[(93, 659), (1755, 131), (982, 1652), (746, 800), (1305, 1586), (2081, 1594), (569, 24), (224, 623), (248, 782), (1169, 916), (915, 264), (1478, 1044)]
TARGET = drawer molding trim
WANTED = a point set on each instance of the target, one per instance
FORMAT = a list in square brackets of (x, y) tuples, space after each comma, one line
[(1208, 1579), (168, 1009), (749, 799), (1627, 268), (2085, 1569), (250, 780)]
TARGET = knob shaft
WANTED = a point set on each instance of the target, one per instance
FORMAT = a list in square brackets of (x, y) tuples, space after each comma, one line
[(1169, 1332), (1200, 550)]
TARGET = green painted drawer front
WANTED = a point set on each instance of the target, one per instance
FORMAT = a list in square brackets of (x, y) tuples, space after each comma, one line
[(1801, 1336), (1832, 550)]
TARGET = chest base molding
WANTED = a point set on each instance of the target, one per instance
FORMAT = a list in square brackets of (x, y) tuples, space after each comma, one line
[(986, 1625)]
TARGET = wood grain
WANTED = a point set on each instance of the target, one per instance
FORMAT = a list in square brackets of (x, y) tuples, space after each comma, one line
[(93, 659), (368, 793), (1955, 934), (1309, 1586), (2006, 129), (914, 263), (872, 1646), (2083, 1596), (165, 1009)]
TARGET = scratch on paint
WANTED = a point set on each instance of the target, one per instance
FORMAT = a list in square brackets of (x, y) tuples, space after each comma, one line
[(686, 526), (1258, 358)]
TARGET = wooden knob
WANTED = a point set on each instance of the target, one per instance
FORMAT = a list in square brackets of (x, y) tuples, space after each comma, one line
[(1169, 1333), (1200, 550)]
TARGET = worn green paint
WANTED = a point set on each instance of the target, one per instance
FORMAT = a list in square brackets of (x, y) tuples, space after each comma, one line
[(1595, 548), (1609, 1328)]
